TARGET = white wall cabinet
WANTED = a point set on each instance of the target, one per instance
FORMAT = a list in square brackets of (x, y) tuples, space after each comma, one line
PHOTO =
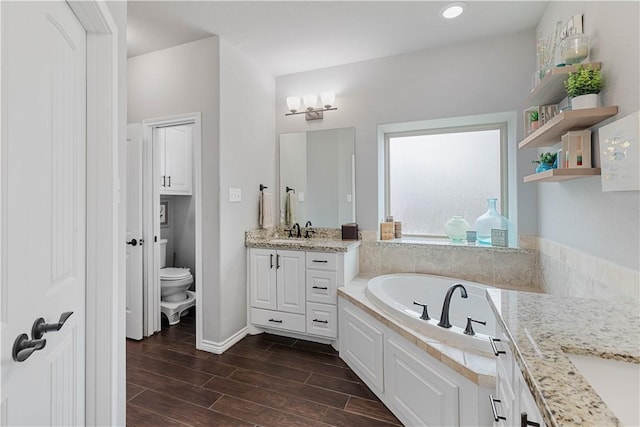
[(176, 158), (297, 291), (417, 388)]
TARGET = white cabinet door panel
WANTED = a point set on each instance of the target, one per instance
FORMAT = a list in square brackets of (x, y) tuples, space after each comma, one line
[(322, 287), (290, 292), (262, 280), (322, 319), (426, 397)]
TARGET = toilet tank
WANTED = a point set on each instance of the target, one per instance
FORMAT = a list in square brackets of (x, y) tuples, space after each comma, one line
[(163, 253)]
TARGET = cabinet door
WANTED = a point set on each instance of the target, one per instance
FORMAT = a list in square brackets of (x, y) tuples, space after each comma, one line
[(262, 278), (178, 155), (419, 391), (290, 281), (361, 345), (159, 140), (321, 286)]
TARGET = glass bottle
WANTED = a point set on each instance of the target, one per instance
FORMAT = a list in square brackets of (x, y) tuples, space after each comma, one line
[(491, 219), (456, 228)]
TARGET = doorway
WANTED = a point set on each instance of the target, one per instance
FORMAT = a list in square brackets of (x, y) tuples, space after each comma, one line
[(171, 220)]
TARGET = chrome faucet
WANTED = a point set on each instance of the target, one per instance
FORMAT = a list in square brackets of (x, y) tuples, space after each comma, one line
[(444, 317)]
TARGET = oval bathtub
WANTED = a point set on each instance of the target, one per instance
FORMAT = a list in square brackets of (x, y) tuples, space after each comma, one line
[(395, 294)]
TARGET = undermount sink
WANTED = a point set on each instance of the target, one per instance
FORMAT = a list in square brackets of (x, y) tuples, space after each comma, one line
[(617, 383), (290, 241)]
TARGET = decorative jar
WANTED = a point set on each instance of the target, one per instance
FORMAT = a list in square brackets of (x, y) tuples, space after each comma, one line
[(491, 219), (574, 49), (542, 166), (456, 228)]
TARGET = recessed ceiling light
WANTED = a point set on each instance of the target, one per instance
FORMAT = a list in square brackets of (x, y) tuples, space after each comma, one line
[(452, 10)]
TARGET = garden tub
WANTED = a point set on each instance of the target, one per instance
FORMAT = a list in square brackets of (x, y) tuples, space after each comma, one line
[(395, 294)]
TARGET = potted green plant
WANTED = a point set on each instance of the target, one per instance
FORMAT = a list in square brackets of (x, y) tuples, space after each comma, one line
[(583, 87), (547, 161), (533, 119)]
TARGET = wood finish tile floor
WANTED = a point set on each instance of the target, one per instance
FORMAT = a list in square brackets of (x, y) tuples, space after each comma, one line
[(264, 380)]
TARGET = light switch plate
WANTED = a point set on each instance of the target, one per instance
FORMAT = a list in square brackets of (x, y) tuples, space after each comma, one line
[(235, 195)]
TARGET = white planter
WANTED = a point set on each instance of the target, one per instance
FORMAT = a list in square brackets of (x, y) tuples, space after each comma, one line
[(584, 101)]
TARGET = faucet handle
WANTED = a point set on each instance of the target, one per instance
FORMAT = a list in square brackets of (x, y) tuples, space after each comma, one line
[(469, 329), (425, 314)]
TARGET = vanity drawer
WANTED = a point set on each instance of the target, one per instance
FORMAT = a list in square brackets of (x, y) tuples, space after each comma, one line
[(322, 261), (278, 320), (322, 319), (322, 286)]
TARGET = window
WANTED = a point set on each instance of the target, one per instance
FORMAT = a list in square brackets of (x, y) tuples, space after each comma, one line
[(436, 174)]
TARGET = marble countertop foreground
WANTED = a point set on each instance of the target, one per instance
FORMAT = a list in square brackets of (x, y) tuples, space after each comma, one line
[(477, 368), (323, 240), (542, 328)]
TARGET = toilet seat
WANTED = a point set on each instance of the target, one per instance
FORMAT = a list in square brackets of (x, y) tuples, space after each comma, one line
[(173, 273)]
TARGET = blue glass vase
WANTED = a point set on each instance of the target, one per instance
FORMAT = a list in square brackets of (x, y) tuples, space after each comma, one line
[(491, 219), (544, 167)]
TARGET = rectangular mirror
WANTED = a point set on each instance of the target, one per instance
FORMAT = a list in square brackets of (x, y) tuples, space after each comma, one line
[(318, 167)]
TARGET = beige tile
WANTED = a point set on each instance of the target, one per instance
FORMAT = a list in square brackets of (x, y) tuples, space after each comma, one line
[(369, 235), (433, 260), (397, 259), (516, 269), (369, 258), (473, 264)]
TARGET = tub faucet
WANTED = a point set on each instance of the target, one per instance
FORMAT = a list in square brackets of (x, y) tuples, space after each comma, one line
[(444, 317)]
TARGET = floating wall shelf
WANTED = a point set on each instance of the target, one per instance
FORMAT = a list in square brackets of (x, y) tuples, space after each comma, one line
[(552, 131), (551, 89), (555, 175)]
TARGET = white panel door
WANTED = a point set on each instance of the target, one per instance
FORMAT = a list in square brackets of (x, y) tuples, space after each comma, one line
[(178, 154), (134, 307), (43, 211), (262, 280), (290, 282)]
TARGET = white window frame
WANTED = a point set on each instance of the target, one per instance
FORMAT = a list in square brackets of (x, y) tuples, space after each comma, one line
[(506, 120)]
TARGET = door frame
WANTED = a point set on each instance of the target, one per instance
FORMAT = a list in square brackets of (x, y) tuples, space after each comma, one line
[(151, 217), (105, 390)]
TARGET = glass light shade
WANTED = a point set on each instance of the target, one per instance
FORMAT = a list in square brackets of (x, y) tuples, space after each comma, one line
[(453, 10), (293, 103), (310, 101), (328, 98)]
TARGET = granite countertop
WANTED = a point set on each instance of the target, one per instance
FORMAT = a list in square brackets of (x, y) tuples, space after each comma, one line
[(542, 328), (323, 240), (475, 367)]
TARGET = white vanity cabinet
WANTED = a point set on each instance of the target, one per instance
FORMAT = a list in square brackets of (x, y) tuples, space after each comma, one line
[(419, 389), (276, 288), (513, 404), (297, 291), (175, 147)]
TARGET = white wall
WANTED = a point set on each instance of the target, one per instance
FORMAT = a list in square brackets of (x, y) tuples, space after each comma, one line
[(577, 213), (177, 80), (485, 76), (247, 159)]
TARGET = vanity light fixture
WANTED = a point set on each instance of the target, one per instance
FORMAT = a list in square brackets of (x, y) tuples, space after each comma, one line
[(453, 10), (310, 101)]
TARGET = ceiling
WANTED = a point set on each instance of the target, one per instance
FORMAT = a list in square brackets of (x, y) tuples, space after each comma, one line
[(294, 36)]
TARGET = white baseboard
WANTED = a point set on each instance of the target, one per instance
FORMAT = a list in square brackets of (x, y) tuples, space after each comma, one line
[(219, 348)]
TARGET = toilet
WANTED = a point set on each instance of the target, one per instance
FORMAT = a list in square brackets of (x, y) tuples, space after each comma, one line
[(175, 298)]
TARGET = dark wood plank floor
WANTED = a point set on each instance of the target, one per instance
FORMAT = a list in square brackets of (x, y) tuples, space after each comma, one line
[(264, 380)]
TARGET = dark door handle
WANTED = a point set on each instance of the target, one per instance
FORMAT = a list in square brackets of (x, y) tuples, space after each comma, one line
[(169, 181), (271, 261), (40, 327), (164, 181), (23, 347), (133, 242)]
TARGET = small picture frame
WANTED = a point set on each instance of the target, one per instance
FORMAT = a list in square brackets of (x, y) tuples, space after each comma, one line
[(164, 213), (499, 238)]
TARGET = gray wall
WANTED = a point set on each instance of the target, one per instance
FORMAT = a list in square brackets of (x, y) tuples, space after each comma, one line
[(577, 213), (247, 159), (177, 80), (485, 76), (181, 232)]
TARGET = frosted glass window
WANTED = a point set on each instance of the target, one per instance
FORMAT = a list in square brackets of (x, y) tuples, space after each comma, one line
[(432, 177)]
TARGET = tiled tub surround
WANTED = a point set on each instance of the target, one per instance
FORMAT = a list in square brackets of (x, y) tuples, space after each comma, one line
[(503, 267), (565, 271), (324, 240), (541, 328), (477, 368)]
